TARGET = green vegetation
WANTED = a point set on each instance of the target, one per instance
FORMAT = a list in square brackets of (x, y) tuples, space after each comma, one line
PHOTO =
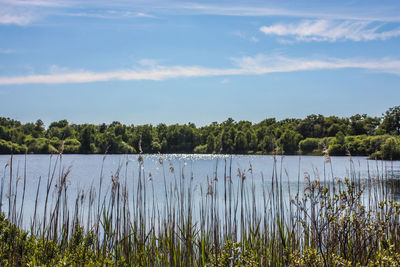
[(350, 222), (358, 135)]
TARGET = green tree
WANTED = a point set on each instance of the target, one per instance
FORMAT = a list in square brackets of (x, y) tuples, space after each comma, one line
[(240, 143), (337, 146), (59, 124), (267, 144), (391, 121), (308, 145), (391, 149), (210, 144), (289, 141), (39, 128), (87, 139)]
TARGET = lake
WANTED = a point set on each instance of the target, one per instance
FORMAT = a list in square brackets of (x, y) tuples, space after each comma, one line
[(196, 171)]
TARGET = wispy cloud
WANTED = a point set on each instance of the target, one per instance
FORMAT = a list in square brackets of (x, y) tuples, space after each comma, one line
[(245, 36), (110, 14), (326, 30), (378, 12), (35, 3), (374, 14), (26, 12), (8, 51), (17, 17), (104, 10), (225, 81), (258, 65)]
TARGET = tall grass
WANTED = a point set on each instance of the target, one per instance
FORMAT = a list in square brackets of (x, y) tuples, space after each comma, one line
[(227, 221)]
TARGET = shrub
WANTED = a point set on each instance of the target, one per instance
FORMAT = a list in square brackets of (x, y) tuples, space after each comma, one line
[(336, 150), (71, 146), (308, 145), (8, 147), (390, 149), (201, 149)]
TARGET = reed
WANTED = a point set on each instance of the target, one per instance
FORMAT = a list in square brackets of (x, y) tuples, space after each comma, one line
[(227, 221)]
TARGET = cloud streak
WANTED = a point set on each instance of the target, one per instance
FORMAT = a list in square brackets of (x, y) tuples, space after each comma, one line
[(35, 3), (101, 10), (110, 14), (376, 14), (10, 16), (258, 65), (331, 31), (26, 12)]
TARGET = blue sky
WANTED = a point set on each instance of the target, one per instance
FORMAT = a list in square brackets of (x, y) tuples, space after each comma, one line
[(143, 62)]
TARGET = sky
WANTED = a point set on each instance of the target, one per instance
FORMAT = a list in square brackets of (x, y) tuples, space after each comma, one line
[(149, 62)]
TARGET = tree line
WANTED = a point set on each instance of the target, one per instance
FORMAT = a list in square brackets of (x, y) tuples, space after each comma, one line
[(377, 137)]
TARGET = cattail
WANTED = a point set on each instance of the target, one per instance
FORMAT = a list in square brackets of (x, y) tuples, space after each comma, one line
[(61, 148), (348, 154), (241, 175), (210, 190), (140, 145), (326, 155)]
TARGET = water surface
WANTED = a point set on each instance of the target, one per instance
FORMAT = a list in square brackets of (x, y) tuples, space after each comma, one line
[(196, 172)]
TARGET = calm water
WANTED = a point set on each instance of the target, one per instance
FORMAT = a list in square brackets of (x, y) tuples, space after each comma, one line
[(199, 169)]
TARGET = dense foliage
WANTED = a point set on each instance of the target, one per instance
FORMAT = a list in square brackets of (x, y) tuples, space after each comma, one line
[(357, 135)]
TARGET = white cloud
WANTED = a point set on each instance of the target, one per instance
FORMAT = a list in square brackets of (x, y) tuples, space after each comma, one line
[(258, 65), (101, 9), (142, 15), (37, 3), (326, 30), (110, 14), (16, 17), (377, 13), (25, 12)]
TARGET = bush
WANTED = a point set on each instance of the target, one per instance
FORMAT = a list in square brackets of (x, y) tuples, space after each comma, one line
[(124, 148), (71, 146), (308, 145), (355, 144), (155, 147), (8, 147), (201, 149), (390, 149), (336, 150)]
